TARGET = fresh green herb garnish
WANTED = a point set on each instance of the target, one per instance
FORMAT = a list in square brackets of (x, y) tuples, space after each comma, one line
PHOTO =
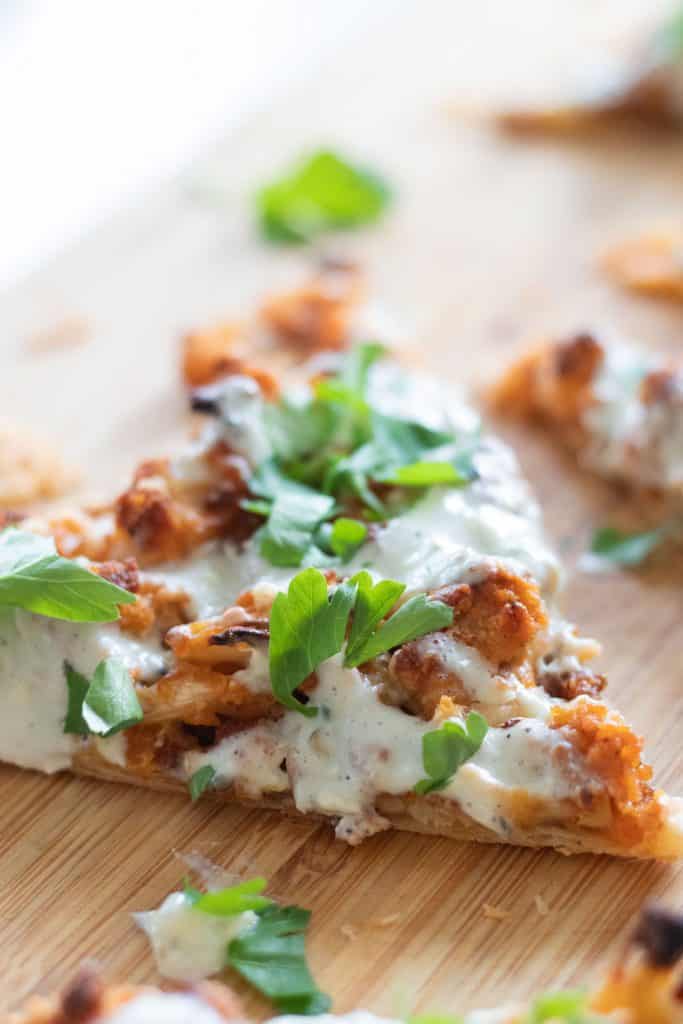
[(34, 577), (272, 957), (668, 40), (368, 638), (343, 537), (108, 704), (200, 781), (294, 514), (236, 899), (78, 686), (334, 448), (561, 1008), (445, 749), (306, 628), (426, 474), (627, 549), (323, 192)]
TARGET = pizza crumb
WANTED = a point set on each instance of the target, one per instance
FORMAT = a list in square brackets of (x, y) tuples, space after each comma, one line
[(30, 468), (349, 932), (385, 922), (541, 905), (68, 332), (494, 913)]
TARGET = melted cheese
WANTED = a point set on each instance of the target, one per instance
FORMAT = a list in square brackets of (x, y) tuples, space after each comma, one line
[(188, 944)]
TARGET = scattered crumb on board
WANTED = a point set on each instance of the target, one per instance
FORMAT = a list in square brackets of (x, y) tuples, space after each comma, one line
[(68, 332), (349, 932), (541, 905), (384, 922), (494, 913), (30, 468)]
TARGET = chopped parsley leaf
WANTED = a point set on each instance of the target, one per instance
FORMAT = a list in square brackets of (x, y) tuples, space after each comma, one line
[(34, 577), (626, 549), (236, 899), (105, 705), (323, 192), (370, 636), (445, 749), (272, 956), (200, 781), (306, 627)]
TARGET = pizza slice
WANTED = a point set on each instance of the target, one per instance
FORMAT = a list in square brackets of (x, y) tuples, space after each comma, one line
[(336, 601), (618, 407), (644, 91), (642, 988)]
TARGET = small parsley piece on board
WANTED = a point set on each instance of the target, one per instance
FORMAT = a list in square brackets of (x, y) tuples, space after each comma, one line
[(561, 1008), (445, 749), (323, 192), (200, 781), (103, 706), (306, 627), (668, 40), (627, 549), (236, 899), (77, 685), (272, 957), (371, 636), (34, 577)]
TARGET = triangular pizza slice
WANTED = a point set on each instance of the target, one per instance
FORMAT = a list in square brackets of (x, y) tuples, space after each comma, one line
[(336, 601)]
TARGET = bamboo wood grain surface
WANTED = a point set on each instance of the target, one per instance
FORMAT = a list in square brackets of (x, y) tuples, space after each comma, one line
[(490, 241)]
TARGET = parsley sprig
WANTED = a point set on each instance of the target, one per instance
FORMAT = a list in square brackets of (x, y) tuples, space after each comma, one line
[(615, 547), (271, 955), (308, 625), (333, 451), (34, 577), (322, 193), (104, 705), (444, 750)]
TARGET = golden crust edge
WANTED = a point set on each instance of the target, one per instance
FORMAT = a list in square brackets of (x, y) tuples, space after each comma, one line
[(432, 815)]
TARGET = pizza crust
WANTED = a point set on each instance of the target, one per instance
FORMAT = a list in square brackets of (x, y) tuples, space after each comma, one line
[(430, 815)]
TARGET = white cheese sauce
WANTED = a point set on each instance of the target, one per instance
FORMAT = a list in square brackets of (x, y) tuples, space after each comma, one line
[(356, 747), (188, 944), (165, 1008), (33, 691)]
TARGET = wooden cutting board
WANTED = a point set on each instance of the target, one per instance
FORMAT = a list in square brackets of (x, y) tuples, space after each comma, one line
[(490, 241)]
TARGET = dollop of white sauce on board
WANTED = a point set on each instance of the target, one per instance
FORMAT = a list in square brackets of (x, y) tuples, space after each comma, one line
[(188, 944), (166, 1008)]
